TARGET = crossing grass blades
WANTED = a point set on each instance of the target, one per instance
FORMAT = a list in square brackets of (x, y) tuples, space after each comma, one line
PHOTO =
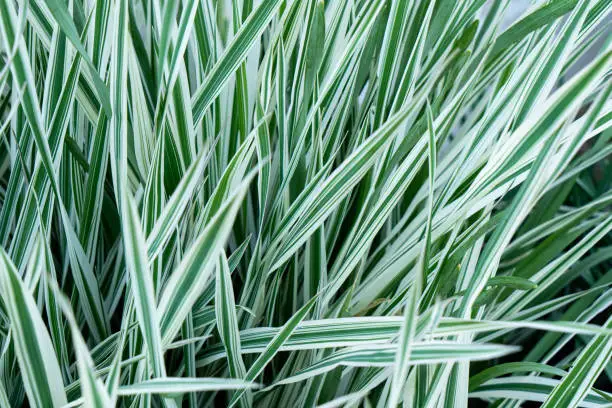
[(283, 203)]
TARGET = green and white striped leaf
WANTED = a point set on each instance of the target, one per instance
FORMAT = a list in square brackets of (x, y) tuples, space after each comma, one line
[(38, 364)]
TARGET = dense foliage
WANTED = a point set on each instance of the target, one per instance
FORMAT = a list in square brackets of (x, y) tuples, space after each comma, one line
[(294, 203)]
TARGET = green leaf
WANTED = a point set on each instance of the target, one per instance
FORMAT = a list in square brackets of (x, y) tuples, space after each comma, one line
[(92, 389), (141, 283), (575, 386), (64, 20), (227, 322), (40, 370), (191, 276), (232, 57), (275, 344)]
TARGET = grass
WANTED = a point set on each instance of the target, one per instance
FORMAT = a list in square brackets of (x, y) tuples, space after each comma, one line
[(305, 203)]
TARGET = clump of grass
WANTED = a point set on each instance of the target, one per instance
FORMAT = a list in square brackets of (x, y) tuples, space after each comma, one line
[(305, 203)]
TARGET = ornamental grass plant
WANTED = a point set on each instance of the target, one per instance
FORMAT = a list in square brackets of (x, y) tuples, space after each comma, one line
[(300, 203)]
